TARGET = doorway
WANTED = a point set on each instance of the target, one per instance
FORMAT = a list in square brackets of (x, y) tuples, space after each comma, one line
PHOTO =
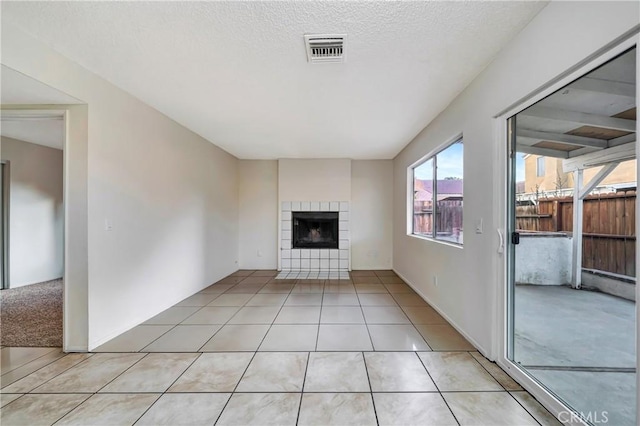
[(572, 249), (32, 227)]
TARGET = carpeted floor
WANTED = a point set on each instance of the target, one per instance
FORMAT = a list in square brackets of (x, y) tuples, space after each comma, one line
[(32, 315)]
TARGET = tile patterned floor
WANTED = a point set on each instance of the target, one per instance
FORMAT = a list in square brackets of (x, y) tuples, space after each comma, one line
[(252, 349), (309, 275)]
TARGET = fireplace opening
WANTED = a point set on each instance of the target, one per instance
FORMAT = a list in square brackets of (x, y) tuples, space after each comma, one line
[(315, 230)]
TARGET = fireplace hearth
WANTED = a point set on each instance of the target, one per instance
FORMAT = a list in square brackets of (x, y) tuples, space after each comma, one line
[(316, 230)]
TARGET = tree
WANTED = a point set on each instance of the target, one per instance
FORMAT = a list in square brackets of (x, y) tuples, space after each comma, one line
[(560, 183)]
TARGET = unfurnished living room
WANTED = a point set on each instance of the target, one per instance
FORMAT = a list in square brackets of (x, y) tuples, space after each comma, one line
[(319, 212)]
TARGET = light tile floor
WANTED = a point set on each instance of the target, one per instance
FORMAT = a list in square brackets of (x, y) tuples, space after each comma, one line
[(252, 349), (302, 275)]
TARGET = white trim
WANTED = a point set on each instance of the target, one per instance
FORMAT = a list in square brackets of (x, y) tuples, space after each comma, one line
[(636, 39), (547, 399), (451, 322), (66, 347), (14, 112), (436, 240), (411, 187), (593, 61), (500, 176), (75, 349), (279, 225), (441, 147), (93, 344), (32, 115), (599, 57)]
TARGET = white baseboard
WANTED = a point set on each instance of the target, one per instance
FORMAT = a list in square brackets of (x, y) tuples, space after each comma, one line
[(444, 315), (72, 349)]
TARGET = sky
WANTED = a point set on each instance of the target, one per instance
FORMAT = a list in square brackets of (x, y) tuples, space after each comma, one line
[(520, 167), (449, 164)]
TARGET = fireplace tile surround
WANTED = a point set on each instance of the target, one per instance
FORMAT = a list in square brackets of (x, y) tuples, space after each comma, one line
[(314, 263)]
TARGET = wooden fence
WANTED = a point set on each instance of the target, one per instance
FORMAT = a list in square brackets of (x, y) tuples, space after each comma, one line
[(609, 228), (448, 217)]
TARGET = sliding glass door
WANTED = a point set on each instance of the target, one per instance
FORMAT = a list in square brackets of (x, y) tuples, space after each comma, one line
[(572, 243)]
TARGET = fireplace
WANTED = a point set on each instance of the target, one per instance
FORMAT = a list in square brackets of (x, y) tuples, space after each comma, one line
[(314, 240), (315, 230)]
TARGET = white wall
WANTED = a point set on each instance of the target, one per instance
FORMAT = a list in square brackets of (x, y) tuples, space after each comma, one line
[(371, 214), (170, 196), (561, 36), (258, 214), (36, 217), (314, 180), (76, 230)]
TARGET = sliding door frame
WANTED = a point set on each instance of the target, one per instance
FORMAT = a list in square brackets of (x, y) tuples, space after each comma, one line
[(503, 325), (4, 218)]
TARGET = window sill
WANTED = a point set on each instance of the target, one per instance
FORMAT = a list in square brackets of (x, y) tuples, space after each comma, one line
[(435, 240)]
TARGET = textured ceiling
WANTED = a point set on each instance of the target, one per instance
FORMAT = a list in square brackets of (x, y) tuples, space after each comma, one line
[(236, 72)]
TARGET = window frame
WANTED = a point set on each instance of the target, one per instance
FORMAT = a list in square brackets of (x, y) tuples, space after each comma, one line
[(540, 171), (432, 155)]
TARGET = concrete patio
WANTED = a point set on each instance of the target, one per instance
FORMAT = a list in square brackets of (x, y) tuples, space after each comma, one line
[(581, 345)]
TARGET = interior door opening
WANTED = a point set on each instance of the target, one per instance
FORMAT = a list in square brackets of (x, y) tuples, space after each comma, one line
[(32, 227)]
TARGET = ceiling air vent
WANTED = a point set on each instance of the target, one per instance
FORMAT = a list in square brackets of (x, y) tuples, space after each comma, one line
[(325, 48)]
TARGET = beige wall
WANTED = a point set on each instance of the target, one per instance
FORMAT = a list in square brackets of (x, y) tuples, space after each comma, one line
[(314, 180), (547, 182), (170, 196), (625, 172), (371, 214), (35, 211), (367, 184), (258, 214)]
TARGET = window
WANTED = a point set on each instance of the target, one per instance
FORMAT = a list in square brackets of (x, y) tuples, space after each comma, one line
[(437, 195), (540, 166)]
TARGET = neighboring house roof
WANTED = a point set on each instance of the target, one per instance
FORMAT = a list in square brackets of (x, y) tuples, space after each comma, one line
[(446, 189), (422, 195)]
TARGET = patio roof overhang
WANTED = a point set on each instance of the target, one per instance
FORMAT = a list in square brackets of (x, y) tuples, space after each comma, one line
[(591, 122)]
